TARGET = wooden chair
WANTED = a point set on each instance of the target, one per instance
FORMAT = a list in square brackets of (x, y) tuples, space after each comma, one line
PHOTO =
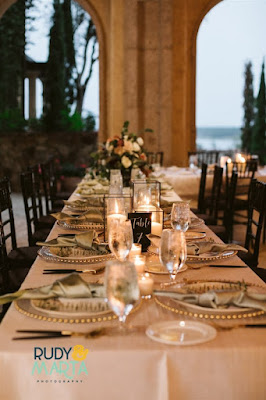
[(155, 157), (211, 216), (4, 279), (18, 259), (53, 202), (31, 211), (225, 231), (256, 213), (205, 156), (43, 221), (201, 196)]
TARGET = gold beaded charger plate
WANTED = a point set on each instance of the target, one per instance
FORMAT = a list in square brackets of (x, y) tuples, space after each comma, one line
[(210, 256), (92, 313), (196, 311), (181, 333), (80, 225), (70, 255)]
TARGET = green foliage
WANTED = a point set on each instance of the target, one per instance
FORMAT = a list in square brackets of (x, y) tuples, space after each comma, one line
[(89, 122), (72, 123), (12, 121), (71, 170), (248, 105), (54, 85), (12, 45), (70, 61), (258, 145)]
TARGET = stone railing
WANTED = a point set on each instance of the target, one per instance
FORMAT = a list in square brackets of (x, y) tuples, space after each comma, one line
[(20, 150)]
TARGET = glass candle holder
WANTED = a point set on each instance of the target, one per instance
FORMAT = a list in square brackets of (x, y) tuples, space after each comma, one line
[(146, 284), (139, 261), (135, 250)]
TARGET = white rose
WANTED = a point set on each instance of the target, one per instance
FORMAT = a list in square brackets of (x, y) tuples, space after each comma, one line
[(128, 146), (110, 148), (136, 147), (140, 141), (125, 137), (126, 162)]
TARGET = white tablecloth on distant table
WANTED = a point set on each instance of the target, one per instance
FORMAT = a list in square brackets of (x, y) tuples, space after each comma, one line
[(186, 181)]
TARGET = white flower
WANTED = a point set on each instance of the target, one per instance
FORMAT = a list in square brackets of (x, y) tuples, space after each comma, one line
[(140, 141), (128, 146), (110, 148), (126, 162), (136, 147), (125, 137)]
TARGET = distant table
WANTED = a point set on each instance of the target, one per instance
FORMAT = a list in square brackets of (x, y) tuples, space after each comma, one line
[(185, 181)]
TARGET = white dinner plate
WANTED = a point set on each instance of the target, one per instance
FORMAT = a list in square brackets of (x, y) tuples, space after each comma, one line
[(191, 235), (157, 268), (181, 333)]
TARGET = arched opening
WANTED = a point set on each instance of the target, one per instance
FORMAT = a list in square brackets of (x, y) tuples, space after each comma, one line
[(98, 84), (231, 34)]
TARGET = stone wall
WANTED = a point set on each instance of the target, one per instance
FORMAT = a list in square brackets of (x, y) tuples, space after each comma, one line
[(20, 150)]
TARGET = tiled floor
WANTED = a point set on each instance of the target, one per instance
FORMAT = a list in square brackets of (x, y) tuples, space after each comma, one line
[(21, 229)]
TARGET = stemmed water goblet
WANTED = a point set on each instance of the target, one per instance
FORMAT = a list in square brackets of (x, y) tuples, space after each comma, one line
[(120, 238), (180, 216), (173, 252), (122, 290)]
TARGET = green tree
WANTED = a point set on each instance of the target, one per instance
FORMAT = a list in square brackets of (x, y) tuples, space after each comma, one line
[(248, 109), (70, 61), (54, 92), (12, 48), (259, 130)]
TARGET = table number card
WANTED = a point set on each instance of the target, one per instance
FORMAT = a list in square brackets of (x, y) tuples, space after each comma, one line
[(141, 225)]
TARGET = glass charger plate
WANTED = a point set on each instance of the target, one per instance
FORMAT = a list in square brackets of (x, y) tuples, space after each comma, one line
[(157, 268), (81, 226), (191, 235), (195, 222), (196, 311), (25, 307), (47, 255), (181, 333), (212, 256), (89, 307), (81, 208)]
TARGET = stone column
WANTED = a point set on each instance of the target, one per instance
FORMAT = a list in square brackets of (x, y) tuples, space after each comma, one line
[(32, 96)]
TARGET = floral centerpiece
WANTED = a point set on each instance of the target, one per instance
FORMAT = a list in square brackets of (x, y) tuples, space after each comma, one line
[(122, 152)]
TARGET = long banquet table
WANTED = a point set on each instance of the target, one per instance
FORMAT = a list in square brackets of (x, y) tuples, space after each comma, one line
[(232, 366)]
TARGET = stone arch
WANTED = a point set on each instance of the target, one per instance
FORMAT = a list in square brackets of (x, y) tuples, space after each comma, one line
[(193, 55), (91, 9)]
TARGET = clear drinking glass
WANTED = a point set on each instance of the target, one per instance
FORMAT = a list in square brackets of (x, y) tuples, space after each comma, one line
[(120, 238), (180, 216), (173, 251), (122, 290)]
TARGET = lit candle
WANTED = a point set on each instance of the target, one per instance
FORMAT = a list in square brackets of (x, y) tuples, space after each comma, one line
[(156, 228), (139, 262), (135, 250), (223, 160), (229, 166), (146, 285)]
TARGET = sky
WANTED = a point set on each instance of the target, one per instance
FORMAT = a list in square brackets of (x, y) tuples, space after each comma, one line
[(230, 35)]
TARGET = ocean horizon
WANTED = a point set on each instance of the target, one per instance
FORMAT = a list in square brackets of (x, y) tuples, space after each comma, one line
[(218, 138)]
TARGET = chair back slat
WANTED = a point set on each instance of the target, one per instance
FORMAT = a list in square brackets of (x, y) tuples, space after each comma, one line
[(155, 157), (205, 156), (216, 191), (29, 198), (201, 196), (257, 205), (6, 207)]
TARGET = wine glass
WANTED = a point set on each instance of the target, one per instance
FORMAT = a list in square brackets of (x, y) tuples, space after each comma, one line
[(122, 290), (180, 216), (173, 251), (120, 237)]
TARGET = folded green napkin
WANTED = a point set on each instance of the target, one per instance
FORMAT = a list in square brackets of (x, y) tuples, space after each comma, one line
[(71, 286), (212, 299), (87, 240), (92, 215), (198, 248), (90, 202)]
